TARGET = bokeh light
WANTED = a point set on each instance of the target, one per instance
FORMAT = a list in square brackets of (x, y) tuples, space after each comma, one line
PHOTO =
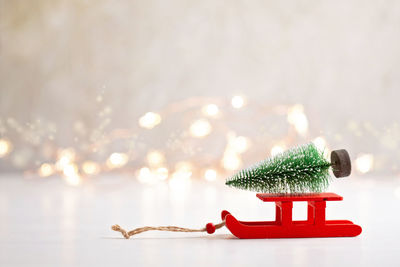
[(5, 147), (210, 110), (65, 157), (320, 143), (117, 160), (73, 180), (70, 170), (298, 119), (150, 120), (231, 160), (238, 143), (200, 128), (46, 170), (364, 163), (227, 148), (237, 101), (144, 174), (90, 168), (161, 173), (277, 149), (155, 158), (210, 175)]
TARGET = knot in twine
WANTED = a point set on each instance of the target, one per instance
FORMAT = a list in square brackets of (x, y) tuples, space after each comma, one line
[(209, 228)]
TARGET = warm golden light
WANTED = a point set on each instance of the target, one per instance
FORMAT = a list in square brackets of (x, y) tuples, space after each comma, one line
[(68, 153), (117, 160), (293, 112), (65, 157), (200, 128), (155, 158), (183, 166), (298, 119), (62, 162), (320, 143), (211, 110), (70, 170), (144, 175), (90, 167), (181, 174), (210, 175), (73, 180), (238, 143), (364, 163), (161, 173), (46, 170), (237, 101), (276, 150), (301, 124), (150, 120), (231, 161), (5, 147)]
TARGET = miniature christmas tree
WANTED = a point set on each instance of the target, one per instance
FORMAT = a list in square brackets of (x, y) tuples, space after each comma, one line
[(299, 170)]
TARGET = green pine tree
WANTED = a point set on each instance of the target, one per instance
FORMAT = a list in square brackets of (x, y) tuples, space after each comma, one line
[(299, 170)]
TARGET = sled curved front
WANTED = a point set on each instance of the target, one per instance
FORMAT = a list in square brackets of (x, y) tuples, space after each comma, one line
[(284, 227)]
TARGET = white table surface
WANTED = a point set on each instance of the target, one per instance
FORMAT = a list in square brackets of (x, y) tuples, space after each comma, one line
[(44, 222)]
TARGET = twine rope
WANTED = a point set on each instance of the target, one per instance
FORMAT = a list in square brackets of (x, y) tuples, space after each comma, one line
[(139, 230)]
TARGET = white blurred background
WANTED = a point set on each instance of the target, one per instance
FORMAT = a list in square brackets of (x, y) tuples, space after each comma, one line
[(195, 88)]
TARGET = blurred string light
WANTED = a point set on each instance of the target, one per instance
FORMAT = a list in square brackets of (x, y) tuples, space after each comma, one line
[(277, 149), (66, 165), (155, 158), (150, 120), (70, 170), (237, 101), (158, 166), (364, 163), (184, 166), (144, 175), (236, 145), (5, 147), (210, 175), (117, 160), (73, 180), (64, 158), (161, 173), (231, 160), (239, 144), (148, 176), (320, 143), (46, 170), (298, 119), (90, 168), (210, 110), (200, 128)]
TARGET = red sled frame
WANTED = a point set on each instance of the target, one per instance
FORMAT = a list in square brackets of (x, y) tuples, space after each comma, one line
[(285, 227)]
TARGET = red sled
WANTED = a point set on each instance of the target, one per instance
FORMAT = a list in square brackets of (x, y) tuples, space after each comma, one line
[(285, 227)]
